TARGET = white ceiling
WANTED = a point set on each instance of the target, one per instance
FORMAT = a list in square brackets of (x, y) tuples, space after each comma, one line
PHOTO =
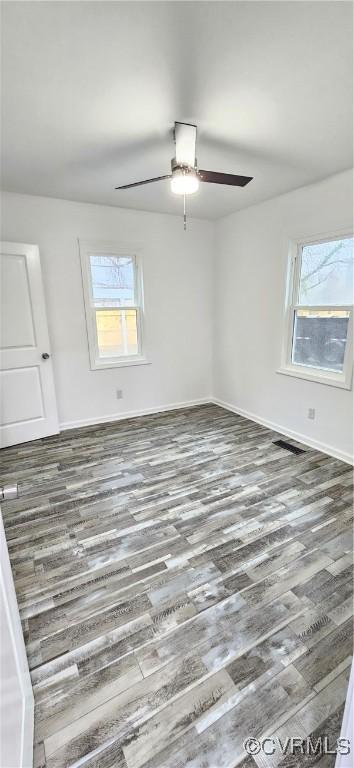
[(91, 91)]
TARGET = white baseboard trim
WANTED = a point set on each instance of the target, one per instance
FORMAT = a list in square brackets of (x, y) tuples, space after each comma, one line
[(132, 414), (318, 446)]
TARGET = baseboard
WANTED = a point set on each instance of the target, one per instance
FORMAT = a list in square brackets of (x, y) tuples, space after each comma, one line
[(132, 414), (317, 445)]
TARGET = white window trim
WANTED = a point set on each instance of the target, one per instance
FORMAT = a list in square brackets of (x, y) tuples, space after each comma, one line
[(87, 248), (342, 380)]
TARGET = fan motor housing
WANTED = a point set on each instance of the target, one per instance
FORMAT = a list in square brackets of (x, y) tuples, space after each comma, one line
[(182, 167)]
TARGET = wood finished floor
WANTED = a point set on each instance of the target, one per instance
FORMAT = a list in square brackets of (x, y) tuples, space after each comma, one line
[(183, 584)]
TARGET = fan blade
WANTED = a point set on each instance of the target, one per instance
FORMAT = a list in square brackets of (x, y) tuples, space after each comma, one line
[(185, 139), (147, 181), (213, 177)]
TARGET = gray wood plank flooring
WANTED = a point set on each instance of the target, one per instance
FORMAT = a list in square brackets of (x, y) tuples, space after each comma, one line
[(183, 584)]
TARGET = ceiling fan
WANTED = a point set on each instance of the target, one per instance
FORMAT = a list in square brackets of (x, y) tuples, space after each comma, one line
[(185, 175)]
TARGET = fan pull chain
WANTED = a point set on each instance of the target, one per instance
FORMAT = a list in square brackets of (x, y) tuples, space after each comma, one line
[(184, 213)]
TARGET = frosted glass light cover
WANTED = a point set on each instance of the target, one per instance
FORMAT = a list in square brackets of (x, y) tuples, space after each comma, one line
[(184, 183)]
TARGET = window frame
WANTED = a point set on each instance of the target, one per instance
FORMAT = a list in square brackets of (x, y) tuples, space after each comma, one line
[(89, 248), (343, 379)]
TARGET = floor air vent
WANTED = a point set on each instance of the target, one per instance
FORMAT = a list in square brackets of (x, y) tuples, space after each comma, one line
[(288, 446)]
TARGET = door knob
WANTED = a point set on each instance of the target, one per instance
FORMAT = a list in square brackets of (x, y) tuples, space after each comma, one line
[(45, 356)]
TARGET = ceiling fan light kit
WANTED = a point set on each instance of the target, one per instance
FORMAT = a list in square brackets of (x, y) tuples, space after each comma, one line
[(185, 176), (184, 180)]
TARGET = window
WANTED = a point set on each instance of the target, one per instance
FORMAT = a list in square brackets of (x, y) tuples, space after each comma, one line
[(319, 315), (113, 303)]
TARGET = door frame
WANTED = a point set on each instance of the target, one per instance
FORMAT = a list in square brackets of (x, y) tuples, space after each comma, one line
[(347, 732), (8, 595)]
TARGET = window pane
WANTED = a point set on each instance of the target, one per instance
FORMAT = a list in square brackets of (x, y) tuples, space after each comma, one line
[(327, 273), (319, 338), (112, 280), (117, 333)]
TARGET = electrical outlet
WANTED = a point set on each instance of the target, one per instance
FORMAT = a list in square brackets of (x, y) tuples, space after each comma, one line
[(311, 413), (119, 394)]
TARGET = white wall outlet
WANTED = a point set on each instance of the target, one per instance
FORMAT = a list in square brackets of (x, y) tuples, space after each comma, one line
[(311, 413), (119, 394)]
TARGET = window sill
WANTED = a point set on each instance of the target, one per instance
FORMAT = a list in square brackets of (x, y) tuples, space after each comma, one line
[(100, 365), (312, 374)]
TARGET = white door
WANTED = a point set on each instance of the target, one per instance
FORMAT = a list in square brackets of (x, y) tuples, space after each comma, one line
[(28, 404), (16, 696)]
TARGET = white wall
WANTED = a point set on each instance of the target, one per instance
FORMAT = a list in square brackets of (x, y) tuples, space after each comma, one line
[(250, 278), (177, 269), (238, 303)]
